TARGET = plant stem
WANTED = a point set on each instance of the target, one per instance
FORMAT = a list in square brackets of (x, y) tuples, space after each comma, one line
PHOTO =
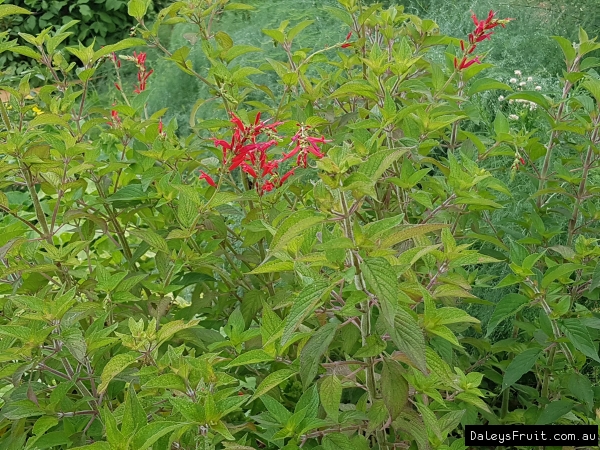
[(584, 177), (365, 320)]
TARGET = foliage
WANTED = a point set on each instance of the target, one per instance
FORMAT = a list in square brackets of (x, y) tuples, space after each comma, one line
[(297, 270)]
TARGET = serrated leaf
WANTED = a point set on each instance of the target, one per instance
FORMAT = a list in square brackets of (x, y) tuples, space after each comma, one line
[(114, 367), (152, 432), (312, 352), (508, 306), (272, 380), (554, 411), (273, 266), (153, 239), (305, 304), (293, 226), (580, 338), (355, 89), (251, 357), (330, 392), (401, 325), (394, 387), (402, 234), (520, 365)]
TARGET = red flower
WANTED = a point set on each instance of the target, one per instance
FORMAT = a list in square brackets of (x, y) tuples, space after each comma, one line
[(117, 86), (208, 178), (481, 33), (286, 176), (346, 45), (248, 169), (522, 161), (160, 126), (267, 187)]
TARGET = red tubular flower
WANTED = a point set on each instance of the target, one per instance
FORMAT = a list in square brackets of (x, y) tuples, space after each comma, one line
[(117, 86), (160, 126), (349, 35), (286, 176), (208, 178), (522, 160), (248, 169), (346, 45)]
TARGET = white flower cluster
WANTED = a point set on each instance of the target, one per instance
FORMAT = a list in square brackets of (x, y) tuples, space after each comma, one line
[(526, 103), (523, 83)]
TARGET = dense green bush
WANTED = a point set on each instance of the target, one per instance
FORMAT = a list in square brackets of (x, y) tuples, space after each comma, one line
[(297, 270)]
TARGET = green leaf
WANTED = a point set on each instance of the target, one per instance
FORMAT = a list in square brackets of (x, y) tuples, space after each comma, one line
[(294, 31), (312, 352), (567, 49), (273, 266), (402, 234), (374, 346), (355, 89), (48, 119), (581, 387), (501, 125), (305, 304), (134, 416), (10, 10), (293, 226), (580, 338), (330, 392), (487, 84), (554, 411), (272, 380), (559, 271), (121, 45), (137, 8), (152, 432), (508, 306), (151, 238), (400, 323), (95, 446), (394, 387), (250, 357), (379, 162), (531, 96), (114, 367), (520, 365)]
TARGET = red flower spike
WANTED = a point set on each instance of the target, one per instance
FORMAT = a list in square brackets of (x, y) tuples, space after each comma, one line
[(208, 179), (160, 126), (349, 35), (462, 45), (522, 161), (346, 45)]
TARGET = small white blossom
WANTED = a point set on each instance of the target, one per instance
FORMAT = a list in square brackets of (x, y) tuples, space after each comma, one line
[(501, 98), (513, 80), (530, 79), (522, 83), (513, 117), (538, 88), (518, 73), (532, 106), (511, 101)]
